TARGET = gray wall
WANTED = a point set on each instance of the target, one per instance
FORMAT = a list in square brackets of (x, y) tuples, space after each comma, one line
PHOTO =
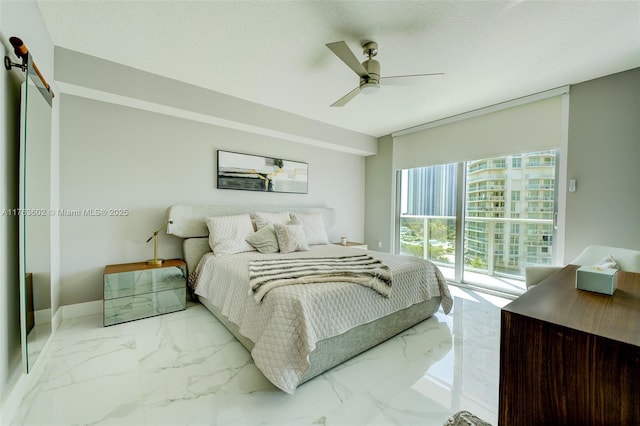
[(113, 82), (118, 157), (379, 202), (604, 155)]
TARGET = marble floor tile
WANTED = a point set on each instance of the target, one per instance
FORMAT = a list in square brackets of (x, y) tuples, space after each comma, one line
[(185, 368)]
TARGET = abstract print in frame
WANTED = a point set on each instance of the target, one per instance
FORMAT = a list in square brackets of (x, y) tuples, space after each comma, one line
[(255, 173)]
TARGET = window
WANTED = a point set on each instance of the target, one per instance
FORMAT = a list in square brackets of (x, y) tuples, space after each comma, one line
[(499, 237), (428, 217)]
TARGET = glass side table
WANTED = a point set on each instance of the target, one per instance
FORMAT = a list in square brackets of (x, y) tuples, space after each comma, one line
[(134, 291)]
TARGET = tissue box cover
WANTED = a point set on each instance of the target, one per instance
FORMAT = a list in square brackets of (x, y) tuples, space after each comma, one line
[(596, 278)]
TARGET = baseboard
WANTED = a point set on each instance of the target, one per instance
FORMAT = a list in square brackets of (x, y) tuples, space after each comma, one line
[(76, 310), (56, 320), (81, 309)]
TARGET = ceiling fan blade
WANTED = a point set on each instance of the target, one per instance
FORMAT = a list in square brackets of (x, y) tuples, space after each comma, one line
[(343, 52), (398, 82), (410, 75), (346, 98)]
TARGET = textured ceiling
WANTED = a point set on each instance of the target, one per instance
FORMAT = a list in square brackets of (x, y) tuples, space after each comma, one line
[(273, 52)]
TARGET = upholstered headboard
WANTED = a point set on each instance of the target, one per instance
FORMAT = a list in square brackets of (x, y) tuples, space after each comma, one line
[(188, 222)]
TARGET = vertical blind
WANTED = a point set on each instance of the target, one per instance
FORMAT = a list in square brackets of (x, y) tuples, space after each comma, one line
[(534, 125)]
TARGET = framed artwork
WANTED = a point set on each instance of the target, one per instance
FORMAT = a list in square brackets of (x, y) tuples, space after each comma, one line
[(256, 173)]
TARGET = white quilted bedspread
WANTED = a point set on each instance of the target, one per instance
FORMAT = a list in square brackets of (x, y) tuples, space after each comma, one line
[(290, 320)]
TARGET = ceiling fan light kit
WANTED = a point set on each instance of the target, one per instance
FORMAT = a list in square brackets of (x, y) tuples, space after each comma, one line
[(369, 88), (368, 71)]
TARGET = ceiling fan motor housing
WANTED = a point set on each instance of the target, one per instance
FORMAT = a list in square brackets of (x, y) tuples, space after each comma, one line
[(372, 83)]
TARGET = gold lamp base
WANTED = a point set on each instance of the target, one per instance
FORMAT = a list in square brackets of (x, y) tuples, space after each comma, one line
[(155, 261)]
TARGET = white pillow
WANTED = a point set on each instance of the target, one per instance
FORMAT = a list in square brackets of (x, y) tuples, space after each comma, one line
[(265, 218), (227, 234), (313, 227), (291, 238)]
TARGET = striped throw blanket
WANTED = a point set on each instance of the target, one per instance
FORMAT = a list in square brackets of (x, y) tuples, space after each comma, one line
[(267, 274)]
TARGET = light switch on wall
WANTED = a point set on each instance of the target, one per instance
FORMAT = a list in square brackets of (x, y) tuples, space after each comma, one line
[(572, 185)]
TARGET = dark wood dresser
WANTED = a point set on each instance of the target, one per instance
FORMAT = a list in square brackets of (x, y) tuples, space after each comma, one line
[(569, 356)]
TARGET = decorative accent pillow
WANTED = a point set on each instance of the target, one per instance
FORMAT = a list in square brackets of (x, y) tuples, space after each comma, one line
[(313, 227), (607, 262), (265, 218), (264, 239), (291, 238), (227, 234)]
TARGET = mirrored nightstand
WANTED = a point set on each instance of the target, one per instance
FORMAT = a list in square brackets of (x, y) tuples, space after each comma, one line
[(134, 291)]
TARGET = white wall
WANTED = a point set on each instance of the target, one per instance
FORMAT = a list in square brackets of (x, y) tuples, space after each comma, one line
[(21, 19), (120, 157)]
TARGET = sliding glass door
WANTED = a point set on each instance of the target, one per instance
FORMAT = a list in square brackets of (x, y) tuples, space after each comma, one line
[(428, 215), (507, 217)]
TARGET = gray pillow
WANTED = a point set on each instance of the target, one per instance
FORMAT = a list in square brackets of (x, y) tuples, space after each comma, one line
[(264, 239)]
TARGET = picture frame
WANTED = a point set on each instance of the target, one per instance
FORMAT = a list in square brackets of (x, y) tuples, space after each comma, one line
[(247, 172)]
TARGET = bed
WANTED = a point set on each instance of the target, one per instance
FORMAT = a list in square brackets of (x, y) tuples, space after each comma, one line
[(296, 330)]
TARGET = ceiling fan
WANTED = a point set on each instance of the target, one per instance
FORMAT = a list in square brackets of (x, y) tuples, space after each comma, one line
[(369, 70)]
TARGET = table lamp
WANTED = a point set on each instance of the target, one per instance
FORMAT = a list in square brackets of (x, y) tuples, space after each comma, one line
[(154, 237)]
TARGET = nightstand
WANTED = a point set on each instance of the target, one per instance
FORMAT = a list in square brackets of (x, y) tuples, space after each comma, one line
[(353, 245), (134, 291)]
